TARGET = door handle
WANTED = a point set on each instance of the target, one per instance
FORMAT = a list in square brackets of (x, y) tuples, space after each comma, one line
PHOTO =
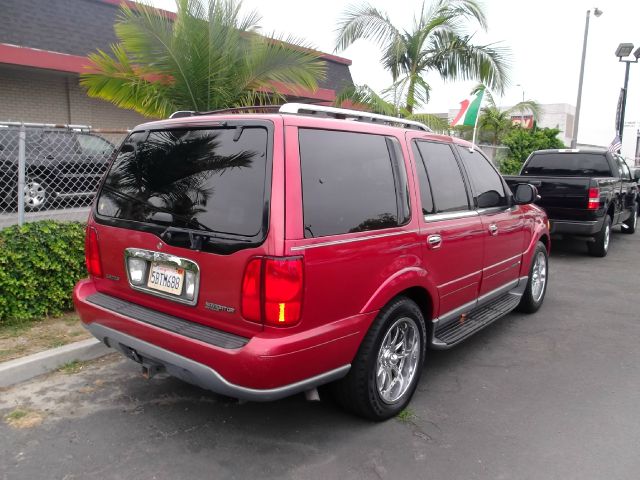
[(493, 229), (434, 241)]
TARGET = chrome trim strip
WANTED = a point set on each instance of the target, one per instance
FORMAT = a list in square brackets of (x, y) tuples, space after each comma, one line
[(204, 376), (151, 256), (350, 240), (503, 261), (459, 278), (450, 216), (502, 270)]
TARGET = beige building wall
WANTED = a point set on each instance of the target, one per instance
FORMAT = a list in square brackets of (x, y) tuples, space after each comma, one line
[(42, 96)]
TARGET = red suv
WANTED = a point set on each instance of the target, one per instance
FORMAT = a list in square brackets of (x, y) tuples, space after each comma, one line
[(262, 255)]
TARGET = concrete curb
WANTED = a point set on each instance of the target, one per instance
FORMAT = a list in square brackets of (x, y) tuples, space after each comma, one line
[(25, 368)]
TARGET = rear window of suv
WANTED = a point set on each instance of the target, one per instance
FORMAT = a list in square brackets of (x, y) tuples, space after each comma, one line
[(570, 164), (211, 180)]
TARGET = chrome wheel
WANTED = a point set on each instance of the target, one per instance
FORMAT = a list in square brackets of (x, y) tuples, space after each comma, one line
[(35, 195), (607, 234), (539, 276), (398, 359)]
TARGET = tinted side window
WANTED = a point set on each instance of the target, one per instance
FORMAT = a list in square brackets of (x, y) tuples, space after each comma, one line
[(445, 177), (347, 181), (487, 185), (423, 180)]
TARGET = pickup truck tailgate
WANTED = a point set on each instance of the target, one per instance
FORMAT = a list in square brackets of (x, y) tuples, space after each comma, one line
[(557, 192)]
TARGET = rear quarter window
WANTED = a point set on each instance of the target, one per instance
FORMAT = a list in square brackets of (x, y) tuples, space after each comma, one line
[(348, 183)]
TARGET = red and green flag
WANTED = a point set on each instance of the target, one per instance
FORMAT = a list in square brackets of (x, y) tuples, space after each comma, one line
[(469, 110)]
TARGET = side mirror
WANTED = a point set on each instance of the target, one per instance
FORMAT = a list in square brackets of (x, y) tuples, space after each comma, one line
[(635, 173), (525, 194), (489, 199)]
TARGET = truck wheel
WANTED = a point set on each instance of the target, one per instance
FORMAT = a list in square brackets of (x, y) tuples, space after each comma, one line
[(632, 221), (600, 247), (536, 289), (387, 367)]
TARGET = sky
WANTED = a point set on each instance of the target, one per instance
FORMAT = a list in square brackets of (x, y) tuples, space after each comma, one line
[(545, 38)]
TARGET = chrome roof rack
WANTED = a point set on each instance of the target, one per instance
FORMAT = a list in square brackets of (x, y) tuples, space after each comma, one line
[(346, 114)]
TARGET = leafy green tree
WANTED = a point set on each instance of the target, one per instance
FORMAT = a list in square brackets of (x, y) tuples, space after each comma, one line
[(208, 57), (522, 142), (438, 42)]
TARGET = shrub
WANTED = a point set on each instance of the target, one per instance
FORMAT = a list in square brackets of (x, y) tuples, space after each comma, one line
[(522, 142), (39, 265)]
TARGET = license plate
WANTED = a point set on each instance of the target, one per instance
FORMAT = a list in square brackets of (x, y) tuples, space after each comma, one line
[(166, 279)]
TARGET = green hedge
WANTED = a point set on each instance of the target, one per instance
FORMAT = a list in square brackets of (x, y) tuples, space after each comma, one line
[(39, 265)]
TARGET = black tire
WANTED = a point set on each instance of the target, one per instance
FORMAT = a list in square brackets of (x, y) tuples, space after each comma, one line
[(600, 246), (37, 195), (531, 299), (358, 392), (631, 222)]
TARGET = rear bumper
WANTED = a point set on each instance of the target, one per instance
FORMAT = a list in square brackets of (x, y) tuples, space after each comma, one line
[(579, 228), (268, 366), (152, 356)]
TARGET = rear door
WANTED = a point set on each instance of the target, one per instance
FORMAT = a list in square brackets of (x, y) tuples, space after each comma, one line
[(451, 231), (502, 222)]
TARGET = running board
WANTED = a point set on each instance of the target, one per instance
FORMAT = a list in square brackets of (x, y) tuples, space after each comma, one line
[(466, 325)]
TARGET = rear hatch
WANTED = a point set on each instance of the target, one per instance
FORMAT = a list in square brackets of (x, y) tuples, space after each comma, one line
[(180, 213)]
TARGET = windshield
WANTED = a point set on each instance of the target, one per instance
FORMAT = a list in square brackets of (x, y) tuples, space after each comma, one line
[(203, 179), (571, 164)]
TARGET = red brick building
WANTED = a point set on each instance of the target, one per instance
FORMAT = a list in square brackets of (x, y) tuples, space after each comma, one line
[(43, 48)]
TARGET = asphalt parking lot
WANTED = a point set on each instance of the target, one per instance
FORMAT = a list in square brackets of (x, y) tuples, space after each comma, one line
[(555, 395)]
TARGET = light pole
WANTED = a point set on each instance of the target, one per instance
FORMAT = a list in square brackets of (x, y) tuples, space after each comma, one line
[(624, 50), (521, 110), (574, 140)]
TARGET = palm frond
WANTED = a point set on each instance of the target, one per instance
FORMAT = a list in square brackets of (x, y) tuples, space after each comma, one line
[(363, 96), (366, 22), (456, 58)]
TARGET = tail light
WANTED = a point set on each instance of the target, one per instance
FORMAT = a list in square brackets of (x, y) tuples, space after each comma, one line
[(272, 291), (594, 199), (92, 252)]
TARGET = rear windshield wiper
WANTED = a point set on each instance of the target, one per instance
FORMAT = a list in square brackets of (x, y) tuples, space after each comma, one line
[(197, 238)]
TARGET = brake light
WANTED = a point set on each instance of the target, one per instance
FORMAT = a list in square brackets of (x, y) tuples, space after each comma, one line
[(594, 199), (251, 294), (92, 252), (272, 291)]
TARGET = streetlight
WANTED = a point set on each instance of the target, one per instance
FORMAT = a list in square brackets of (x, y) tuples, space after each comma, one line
[(624, 50), (521, 110), (597, 12)]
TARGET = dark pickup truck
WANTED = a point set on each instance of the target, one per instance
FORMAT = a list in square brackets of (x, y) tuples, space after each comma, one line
[(585, 193)]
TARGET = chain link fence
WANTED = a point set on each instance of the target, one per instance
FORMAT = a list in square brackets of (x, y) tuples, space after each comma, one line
[(51, 171)]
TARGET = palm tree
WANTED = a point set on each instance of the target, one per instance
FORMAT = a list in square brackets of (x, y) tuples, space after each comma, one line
[(497, 122), (437, 42), (207, 57)]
